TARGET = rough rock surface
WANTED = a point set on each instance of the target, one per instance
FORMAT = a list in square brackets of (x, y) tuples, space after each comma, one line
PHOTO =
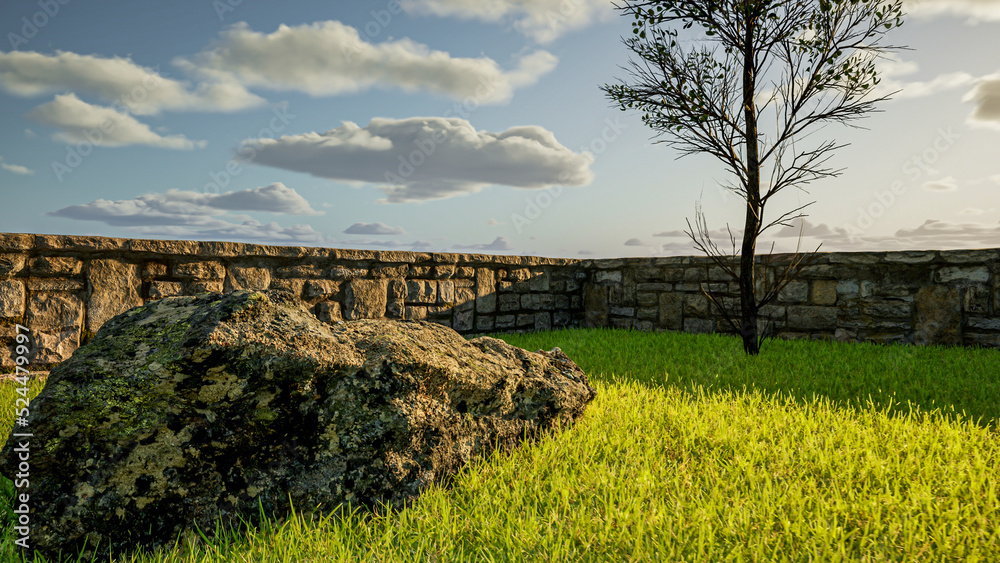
[(207, 409)]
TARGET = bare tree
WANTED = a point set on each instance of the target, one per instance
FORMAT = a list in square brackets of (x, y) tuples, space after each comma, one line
[(819, 55)]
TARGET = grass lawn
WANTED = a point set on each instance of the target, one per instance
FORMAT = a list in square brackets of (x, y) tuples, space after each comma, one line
[(812, 451)]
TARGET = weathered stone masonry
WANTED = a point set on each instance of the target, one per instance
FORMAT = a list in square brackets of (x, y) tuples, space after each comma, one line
[(63, 288)]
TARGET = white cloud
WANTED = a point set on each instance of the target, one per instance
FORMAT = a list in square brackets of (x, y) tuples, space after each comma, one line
[(427, 158), (376, 228), (891, 67), (977, 11), (16, 168), (542, 20), (29, 134), (329, 58), (948, 184), (252, 231), (179, 208), (499, 243), (986, 95), (125, 84), (102, 126)]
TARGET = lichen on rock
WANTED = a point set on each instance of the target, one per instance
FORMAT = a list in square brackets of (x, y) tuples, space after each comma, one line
[(209, 409)]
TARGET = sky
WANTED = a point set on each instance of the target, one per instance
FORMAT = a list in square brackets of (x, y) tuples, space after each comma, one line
[(452, 126)]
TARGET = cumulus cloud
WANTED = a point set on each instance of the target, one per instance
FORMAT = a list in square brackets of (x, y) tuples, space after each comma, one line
[(79, 121), (541, 20), (329, 58), (891, 68), (188, 208), (373, 229), (976, 11), (16, 168), (948, 184), (249, 230), (499, 243), (427, 158), (634, 242), (140, 90), (986, 96)]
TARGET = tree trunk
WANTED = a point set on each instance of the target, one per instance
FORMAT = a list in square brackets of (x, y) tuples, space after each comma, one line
[(748, 299)]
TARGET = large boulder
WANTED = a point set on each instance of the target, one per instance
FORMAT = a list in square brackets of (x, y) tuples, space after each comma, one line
[(210, 409)]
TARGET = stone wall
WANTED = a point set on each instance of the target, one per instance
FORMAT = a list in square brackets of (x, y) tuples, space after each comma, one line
[(935, 297), (63, 288)]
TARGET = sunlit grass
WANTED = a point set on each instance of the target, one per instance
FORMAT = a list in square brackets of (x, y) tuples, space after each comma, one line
[(812, 451)]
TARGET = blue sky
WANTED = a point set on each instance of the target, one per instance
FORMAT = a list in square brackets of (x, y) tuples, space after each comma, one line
[(449, 126)]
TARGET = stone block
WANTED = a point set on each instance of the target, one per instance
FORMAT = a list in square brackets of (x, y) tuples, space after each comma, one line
[(389, 270), (673, 275), (622, 311), (648, 273), (575, 302), (887, 308), (699, 326), (848, 289), (484, 323), (860, 258), (984, 340), (465, 272), (671, 311), (962, 274), (486, 296), (824, 292), (153, 270), (294, 286), (910, 257), (621, 323), (796, 291), (444, 271), (608, 277), (395, 308), (970, 256), (546, 302), (695, 305), (416, 313), (560, 319), (506, 322), (510, 302), (365, 299), (53, 284), (984, 323), (339, 273), (519, 275), (648, 313), (204, 286), (647, 299), (938, 317), (328, 312), (247, 277), (559, 286), (160, 289), (419, 272), (561, 302), (653, 287), (540, 282), (446, 292), (526, 320), (595, 305), (11, 298), (53, 347), (845, 335), (314, 289), (977, 300), (809, 317), (114, 289), (54, 312), (421, 291), (530, 301), (55, 266), (204, 270), (465, 298), (11, 264), (644, 326)]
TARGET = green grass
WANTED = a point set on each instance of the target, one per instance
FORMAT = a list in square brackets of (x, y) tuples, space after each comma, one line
[(812, 451)]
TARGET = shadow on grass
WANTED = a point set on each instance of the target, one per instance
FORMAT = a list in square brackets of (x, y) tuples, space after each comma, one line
[(959, 383)]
